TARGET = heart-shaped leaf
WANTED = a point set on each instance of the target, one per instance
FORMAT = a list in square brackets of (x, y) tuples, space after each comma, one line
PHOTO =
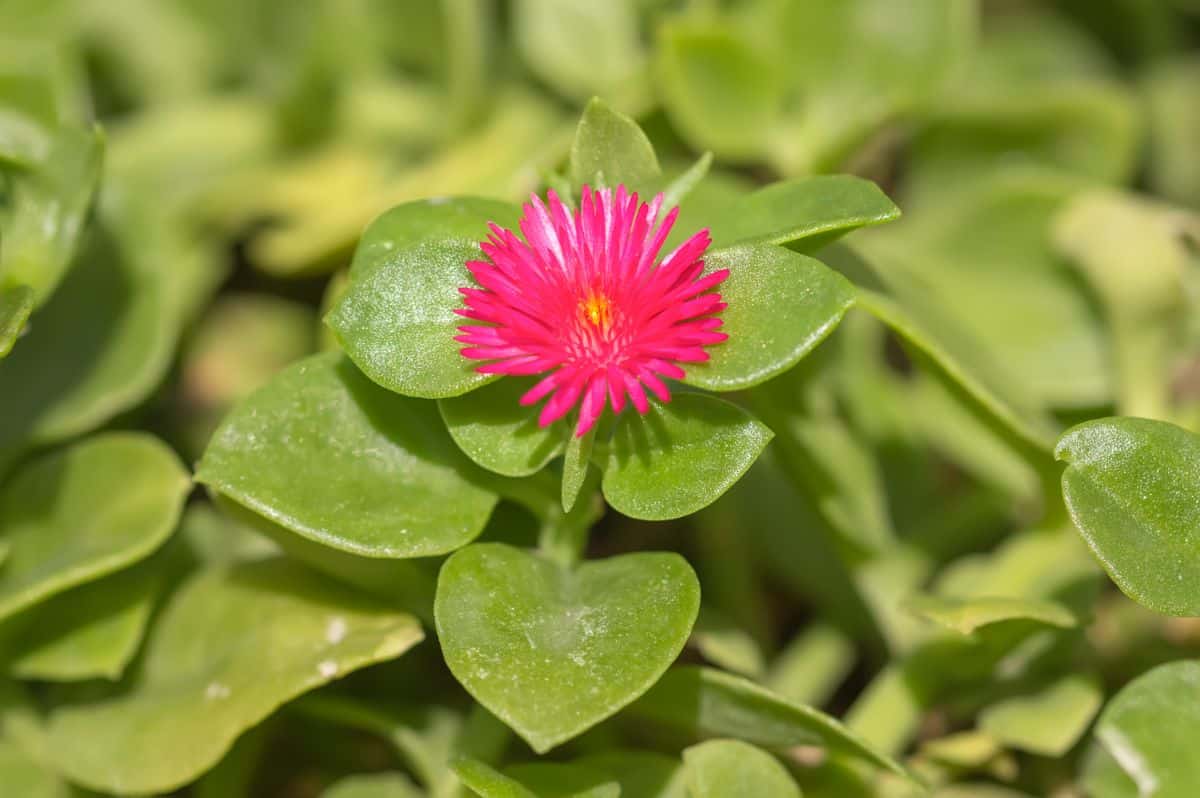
[(86, 511), (16, 303), (1132, 487), (719, 768), (231, 646), (680, 457), (780, 306), (610, 150), (1149, 729), (552, 651), (493, 429), (709, 703), (805, 214), (326, 453)]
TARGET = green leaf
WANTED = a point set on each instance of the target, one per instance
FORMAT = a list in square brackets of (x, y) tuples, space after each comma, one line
[(86, 511), (493, 429), (679, 457), (780, 306), (397, 322), (373, 785), (719, 92), (487, 782), (551, 651), (318, 450), (1149, 727), (724, 644), (978, 254), (90, 632), (577, 461), (710, 703), (580, 48), (21, 776), (1171, 92), (805, 214), (411, 225), (563, 780), (610, 150), (45, 216), (231, 646), (854, 66), (965, 615), (1132, 487), (721, 768), (16, 303), (1134, 255), (641, 774), (1048, 722)]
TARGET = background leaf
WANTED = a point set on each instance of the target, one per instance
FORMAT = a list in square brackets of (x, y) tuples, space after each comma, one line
[(84, 512), (231, 646), (731, 767)]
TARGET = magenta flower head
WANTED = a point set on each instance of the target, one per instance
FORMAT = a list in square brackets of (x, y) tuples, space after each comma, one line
[(585, 300)]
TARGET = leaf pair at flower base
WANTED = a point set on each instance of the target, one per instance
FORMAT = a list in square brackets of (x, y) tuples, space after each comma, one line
[(398, 322)]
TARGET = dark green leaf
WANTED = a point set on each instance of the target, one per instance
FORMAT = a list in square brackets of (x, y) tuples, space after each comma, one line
[(806, 214), (493, 429), (1132, 487), (780, 306), (680, 457), (326, 453)]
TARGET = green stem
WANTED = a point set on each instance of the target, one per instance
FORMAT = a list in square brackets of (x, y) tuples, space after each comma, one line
[(564, 535)]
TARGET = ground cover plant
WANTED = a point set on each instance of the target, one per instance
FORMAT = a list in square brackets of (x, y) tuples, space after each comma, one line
[(646, 398)]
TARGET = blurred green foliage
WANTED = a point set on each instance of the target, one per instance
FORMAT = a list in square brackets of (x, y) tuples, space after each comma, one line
[(895, 598)]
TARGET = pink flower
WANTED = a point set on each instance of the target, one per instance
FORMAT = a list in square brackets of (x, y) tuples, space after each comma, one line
[(585, 300)]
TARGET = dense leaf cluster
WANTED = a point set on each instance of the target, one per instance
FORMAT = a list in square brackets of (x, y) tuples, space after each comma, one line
[(926, 523)]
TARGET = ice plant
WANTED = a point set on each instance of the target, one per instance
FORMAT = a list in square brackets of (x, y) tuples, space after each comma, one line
[(585, 299)]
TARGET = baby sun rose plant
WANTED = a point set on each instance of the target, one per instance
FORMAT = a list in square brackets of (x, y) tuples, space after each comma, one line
[(631, 302)]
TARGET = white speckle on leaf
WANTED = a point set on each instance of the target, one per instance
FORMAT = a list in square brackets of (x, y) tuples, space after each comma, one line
[(336, 631), (438, 200), (327, 668), (216, 691)]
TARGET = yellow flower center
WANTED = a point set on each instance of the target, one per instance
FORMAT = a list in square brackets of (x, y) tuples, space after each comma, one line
[(598, 310)]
